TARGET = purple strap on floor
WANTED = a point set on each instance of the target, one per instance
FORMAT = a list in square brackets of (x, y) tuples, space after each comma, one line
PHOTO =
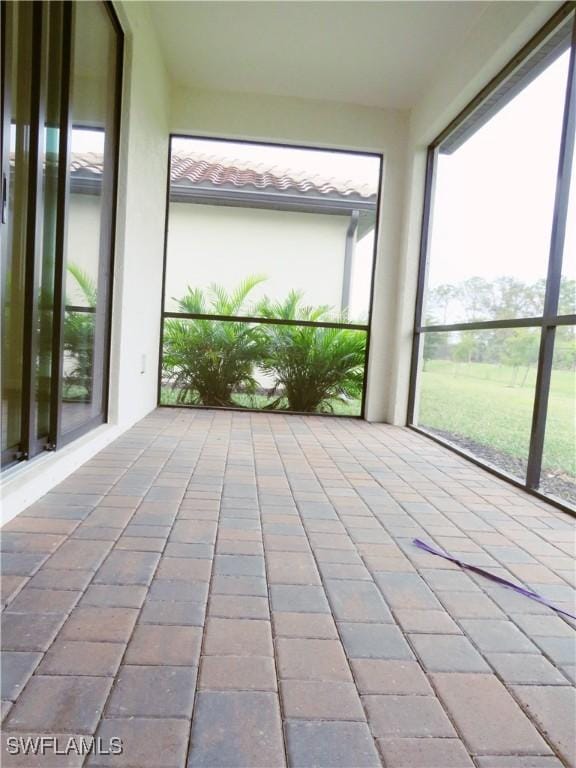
[(492, 576)]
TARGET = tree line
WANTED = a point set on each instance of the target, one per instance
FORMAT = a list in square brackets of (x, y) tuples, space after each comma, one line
[(506, 298)]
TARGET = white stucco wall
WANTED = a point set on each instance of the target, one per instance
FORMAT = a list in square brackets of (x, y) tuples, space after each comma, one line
[(224, 245), (83, 241), (140, 224)]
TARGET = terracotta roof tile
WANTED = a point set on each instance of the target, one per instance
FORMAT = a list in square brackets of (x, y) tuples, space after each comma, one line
[(197, 169)]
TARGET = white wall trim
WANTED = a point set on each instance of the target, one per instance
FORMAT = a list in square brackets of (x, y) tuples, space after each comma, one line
[(26, 483)]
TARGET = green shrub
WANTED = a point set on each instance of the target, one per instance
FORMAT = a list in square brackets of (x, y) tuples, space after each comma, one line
[(78, 340), (311, 366), (206, 361)]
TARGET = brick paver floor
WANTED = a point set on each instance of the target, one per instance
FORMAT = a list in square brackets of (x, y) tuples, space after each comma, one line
[(225, 589)]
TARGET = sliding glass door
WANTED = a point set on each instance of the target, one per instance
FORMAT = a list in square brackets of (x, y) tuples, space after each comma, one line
[(60, 90)]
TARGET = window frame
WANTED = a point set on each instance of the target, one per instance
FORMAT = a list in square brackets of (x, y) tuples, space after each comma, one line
[(366, 327), (549, 320)]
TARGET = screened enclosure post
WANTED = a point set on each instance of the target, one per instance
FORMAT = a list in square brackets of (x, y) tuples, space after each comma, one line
[(420, 288), (553, 280), (163, 314)]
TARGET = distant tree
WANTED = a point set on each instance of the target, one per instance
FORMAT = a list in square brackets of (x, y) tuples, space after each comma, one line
[(440, 298), (433, 348), (565, 348), (477, 297), (513, 298), (567, 301), (521, 351), (463, 351)]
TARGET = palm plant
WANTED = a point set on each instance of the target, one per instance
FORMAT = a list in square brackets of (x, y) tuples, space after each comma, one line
[(78, 337), (207, 361), (311, 366)]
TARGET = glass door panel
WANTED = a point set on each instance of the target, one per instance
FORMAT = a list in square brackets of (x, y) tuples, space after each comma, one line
[(88, 239), (16, 84), (49, 150)]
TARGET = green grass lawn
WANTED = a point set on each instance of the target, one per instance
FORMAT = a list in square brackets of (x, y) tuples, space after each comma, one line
[(351, 408), (488, 404)]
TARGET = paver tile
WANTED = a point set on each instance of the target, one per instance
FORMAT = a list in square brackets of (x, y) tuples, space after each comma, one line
[(169, 645), (357, 601), (480, 705), (330, 745), (424, 753), (554, 710), (109, 625), (79, 555), (374, 641), (29, 631), (148, 691), (15, 669), (238, 673), (448, 653), (60, 704), (427, 622), (35, 601), (387, 676), (237, 637), (82, 658), (406, 590), (312, 660), (178, 613), (239, 607), (464, 605), (128, 568), (298, 599), (146, 743), (311, 625), (320, 700), (113, 596), (178, 591), (497, 636), (236, 728), (407, 716), (514, 761), (525, 669)]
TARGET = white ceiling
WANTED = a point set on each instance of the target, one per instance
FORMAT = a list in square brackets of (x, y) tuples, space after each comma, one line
[(379, 54)]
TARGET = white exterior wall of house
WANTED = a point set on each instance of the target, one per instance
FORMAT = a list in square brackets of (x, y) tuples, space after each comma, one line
[(82, 250), (224, 245)]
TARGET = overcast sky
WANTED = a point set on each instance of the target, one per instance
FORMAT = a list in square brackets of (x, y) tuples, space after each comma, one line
[(495, 195)]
